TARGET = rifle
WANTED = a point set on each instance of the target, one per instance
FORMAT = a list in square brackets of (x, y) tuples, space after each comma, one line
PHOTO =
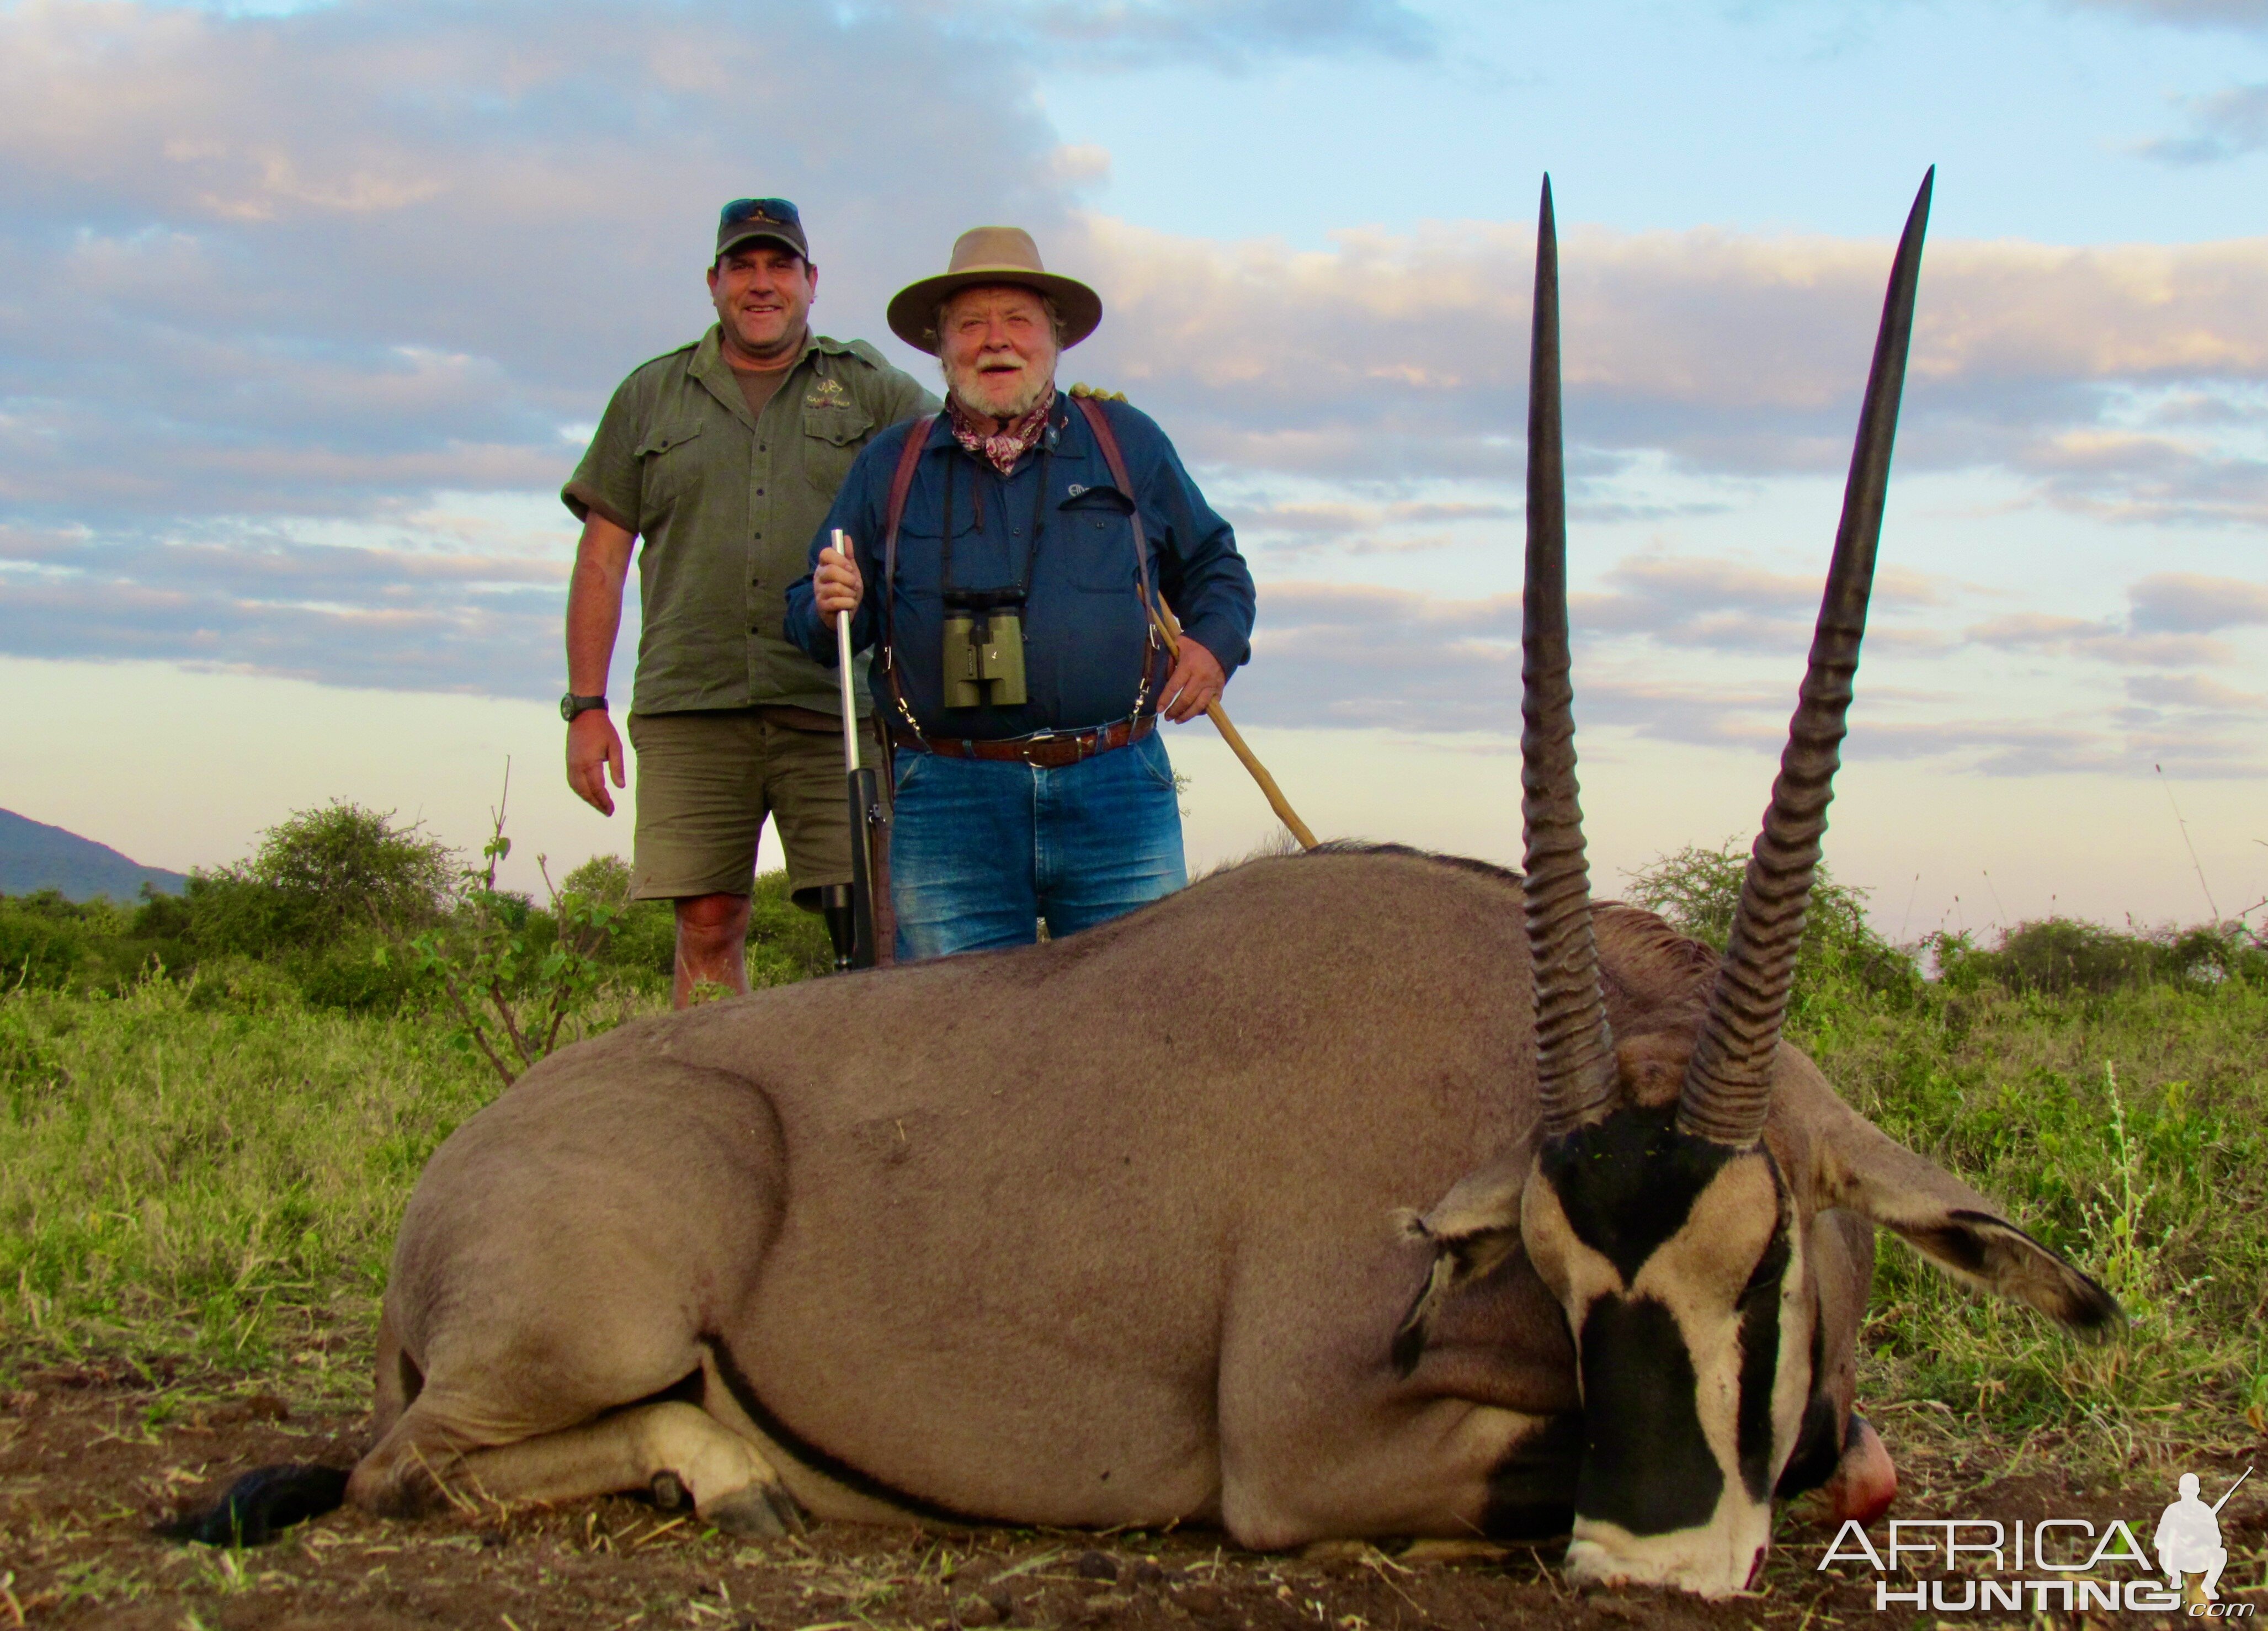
[(857, 925), (2223, 1502)]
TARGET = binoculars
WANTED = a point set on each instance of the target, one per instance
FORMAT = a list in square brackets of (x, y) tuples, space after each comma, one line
[(983, 655)]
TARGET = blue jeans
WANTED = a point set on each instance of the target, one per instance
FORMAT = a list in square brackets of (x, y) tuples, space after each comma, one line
[(982, 849)]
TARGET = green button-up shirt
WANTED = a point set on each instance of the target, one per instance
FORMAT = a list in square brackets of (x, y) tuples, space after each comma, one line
[(727, 505)]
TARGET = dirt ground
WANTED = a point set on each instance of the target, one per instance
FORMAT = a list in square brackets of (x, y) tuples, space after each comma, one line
[(91, 1456)]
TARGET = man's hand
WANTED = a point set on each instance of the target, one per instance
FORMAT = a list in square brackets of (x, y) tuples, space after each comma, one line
[(594, 751), (1194, 685), (836, 585), (594, 615)]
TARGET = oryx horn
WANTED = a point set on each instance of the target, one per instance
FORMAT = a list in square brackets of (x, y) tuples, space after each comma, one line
[(1574, 1052), (1727, 1090)]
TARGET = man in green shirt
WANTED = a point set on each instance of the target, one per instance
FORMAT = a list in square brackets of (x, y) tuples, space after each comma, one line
[(724, 455)]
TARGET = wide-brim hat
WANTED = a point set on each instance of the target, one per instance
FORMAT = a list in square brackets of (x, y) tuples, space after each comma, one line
[(992, 255)]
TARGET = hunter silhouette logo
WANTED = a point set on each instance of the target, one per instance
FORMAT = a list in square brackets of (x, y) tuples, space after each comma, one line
[(1986, 1565), (2188, 1541)]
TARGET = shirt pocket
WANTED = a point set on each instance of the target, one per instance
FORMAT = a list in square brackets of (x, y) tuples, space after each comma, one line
[(832, 437), (1097, 529), (669, 470)]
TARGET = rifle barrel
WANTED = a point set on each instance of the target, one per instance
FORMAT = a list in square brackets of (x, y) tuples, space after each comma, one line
[(841, 544)]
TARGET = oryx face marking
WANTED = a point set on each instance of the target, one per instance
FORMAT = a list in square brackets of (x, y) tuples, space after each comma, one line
[(1678, 1264)]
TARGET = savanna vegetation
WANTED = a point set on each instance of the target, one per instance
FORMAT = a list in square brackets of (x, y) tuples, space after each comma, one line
[(213, 1108)]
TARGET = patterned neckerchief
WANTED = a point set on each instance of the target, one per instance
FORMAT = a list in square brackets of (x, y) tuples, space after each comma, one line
[(1002, 449)]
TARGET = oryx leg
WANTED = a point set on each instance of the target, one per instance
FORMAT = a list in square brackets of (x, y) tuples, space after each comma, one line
[(559, 1271), (1332, 1442), (675, 1450), (1449, 1468)]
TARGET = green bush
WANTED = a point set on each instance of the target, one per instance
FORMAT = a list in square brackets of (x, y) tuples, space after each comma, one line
[(2060, 955), (41, 949), (49, 943), (785, 942), (363, 973), (317, 878), (1697, 892)]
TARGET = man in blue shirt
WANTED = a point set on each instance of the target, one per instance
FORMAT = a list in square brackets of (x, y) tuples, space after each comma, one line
[(1023, 671)]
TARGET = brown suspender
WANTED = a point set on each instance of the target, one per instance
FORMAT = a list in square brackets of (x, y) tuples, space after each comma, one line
[(1100, 422)]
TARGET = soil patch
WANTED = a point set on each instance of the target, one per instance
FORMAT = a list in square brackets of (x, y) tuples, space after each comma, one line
[(92, 1455)]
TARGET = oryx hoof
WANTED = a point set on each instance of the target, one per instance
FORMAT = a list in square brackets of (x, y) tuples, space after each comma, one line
[(755, 1512), (668, 1493)]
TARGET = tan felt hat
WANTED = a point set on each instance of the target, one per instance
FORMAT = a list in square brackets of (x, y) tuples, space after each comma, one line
[(992, 255)]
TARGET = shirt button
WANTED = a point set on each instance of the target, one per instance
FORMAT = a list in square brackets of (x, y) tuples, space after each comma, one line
[(759, 492)]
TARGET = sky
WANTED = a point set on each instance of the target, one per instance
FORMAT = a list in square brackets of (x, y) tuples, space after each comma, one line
[(307, 312)]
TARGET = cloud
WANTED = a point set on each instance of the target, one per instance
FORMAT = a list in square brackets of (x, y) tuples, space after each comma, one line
[(1388, 357), (2226, 125), (2189, 690), (394, 618), (1712, 603), (1339, 654), (269, 282), (2189, 603), (328, 262), (1233, 35), (2170, 621), (1295, 528), (2104, 641), (1332, 655), (2240, 16)]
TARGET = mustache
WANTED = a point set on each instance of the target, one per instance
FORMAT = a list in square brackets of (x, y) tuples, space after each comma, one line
[(963, 383)]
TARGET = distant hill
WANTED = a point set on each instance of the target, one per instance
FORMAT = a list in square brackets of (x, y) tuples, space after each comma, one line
[(35, 856)]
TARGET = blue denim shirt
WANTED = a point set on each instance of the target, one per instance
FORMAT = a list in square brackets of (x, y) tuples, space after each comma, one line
[(1086, 644)]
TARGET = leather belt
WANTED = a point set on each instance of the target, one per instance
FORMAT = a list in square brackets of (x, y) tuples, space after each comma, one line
[(1049, 750)]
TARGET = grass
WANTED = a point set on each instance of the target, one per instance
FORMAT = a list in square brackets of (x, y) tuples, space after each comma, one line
[(2128, 1130), (213, 1170), (185, 1179)]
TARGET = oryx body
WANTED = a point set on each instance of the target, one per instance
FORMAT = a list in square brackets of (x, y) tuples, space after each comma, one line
[(899, 1244), (1031, 1236), (1355, 1193)]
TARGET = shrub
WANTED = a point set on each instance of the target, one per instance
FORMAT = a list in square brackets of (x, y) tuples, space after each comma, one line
[(2062, 955), (40, 947), (363, 973), (1697, 892), (317, 877), (785, 942)]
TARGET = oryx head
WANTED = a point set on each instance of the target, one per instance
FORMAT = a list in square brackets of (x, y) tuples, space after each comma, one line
[(1704, 1245)]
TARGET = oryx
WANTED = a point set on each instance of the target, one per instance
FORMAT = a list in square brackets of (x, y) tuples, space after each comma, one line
[(1457, 1203)]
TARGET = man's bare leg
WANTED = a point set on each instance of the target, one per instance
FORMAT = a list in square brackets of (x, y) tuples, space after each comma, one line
[(712, 945)]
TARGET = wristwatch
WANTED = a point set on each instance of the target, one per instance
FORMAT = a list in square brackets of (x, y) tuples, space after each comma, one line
[(570, 705)]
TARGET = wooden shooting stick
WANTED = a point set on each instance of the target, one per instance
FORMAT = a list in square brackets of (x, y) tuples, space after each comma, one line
[(1170, 627)]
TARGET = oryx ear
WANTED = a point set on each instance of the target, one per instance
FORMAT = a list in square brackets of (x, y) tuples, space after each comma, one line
[(1472, 1229), (1859, 1167)]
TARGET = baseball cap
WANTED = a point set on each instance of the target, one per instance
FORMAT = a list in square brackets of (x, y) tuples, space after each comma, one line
[(746, 220)]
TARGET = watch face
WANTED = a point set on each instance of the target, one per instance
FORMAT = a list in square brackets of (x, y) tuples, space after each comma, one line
[(567, 708)]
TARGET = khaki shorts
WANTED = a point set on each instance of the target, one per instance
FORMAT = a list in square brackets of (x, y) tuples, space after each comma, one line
[(705, 783)]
